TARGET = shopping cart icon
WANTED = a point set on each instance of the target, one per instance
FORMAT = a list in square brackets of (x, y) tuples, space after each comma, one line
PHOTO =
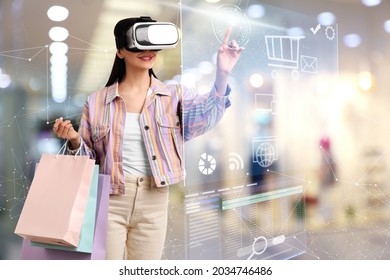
[(283, 52)]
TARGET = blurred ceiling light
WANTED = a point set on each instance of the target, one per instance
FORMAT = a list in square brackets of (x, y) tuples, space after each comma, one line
[(386, 26), (5, 79), (326, 18), (59, 59), (58, 71), (212, 1), (58, 33), (59, 80), (295, 31), (58, 94), (57, 13), (256, 80), (352, 40), (58, 68), (371, 3), (58, 48), (365, 81), (256, 11), (48, 145), (35, 84)]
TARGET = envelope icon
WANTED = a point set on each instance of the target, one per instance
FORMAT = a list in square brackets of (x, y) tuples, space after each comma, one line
[(308, 64)]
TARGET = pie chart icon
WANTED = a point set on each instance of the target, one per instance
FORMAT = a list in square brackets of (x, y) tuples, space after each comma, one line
[(207, 164)]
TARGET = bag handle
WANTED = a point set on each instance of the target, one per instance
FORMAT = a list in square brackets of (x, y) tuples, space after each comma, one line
[(63, 149)]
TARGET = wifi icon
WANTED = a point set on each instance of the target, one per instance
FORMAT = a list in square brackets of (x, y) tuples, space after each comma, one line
[(235, 161)]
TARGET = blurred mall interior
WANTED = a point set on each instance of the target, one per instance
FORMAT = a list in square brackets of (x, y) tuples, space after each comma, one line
[(333, 128)]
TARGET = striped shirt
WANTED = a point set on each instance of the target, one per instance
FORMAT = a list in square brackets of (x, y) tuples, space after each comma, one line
[(171, 115)]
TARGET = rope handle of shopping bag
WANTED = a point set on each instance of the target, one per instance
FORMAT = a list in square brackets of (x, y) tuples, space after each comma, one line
[(63, 149)]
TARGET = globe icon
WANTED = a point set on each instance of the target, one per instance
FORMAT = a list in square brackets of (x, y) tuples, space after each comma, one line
[(231, 15), (265, 154)]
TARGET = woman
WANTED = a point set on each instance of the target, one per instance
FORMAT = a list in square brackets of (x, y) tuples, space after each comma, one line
[(135, 128)]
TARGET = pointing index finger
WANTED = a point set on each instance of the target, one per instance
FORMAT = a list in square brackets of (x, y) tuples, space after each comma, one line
[(227, 35)]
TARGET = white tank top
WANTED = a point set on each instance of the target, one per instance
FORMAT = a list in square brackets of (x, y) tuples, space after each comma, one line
[(135, 158)]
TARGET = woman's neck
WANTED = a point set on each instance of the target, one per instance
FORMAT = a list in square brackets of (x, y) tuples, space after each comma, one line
[(136, 80), (134, 89)]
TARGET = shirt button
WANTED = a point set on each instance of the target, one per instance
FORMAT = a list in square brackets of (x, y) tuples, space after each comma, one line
[(141, 179), (154, 157), (162, 183), (146, 127)]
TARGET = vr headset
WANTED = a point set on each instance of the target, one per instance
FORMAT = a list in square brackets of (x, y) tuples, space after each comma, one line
[(149, 36)]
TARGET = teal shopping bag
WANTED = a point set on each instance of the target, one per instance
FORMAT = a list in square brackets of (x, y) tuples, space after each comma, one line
[(88, 229)]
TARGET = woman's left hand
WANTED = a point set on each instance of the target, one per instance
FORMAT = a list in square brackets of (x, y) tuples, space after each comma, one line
[(228, 54)]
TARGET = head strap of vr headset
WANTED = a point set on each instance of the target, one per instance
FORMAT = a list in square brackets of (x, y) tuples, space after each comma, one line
[(121, 41)]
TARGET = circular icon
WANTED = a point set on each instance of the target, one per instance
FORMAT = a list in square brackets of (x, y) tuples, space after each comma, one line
[(265, 154), (207, 164), (259, 246), (330, 33), (230, 15)]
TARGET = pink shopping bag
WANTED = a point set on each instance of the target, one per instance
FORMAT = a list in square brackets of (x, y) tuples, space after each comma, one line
[(30, 252), (56, 202), (88, 229)]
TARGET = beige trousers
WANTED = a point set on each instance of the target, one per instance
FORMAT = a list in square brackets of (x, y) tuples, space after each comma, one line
[(137, 221)]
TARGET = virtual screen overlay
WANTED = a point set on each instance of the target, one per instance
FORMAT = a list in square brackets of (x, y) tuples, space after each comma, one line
[(246, 178)]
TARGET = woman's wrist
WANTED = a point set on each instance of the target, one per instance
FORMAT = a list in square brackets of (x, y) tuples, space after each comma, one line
[(221, 82), (75, 143)]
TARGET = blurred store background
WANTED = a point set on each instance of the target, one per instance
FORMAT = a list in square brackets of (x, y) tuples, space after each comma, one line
[(53, 53)]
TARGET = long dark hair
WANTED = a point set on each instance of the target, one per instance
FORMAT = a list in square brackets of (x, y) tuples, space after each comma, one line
[(118, 71)]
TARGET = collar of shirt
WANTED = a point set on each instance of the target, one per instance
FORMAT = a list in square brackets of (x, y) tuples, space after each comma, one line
[(156, 87)]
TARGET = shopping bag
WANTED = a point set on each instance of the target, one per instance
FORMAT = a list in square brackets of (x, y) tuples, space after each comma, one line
[(100, 238), (88, 229), (55, 205), (30, 252)]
